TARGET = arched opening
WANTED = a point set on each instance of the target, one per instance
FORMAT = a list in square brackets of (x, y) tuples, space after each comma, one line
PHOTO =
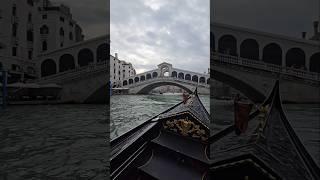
[(174, 74), (202, 80), (102, 52), (212, 42), (48, 67), (195, 78), (142, 78), (208, 81), (130, 81), (228, 45), (30, 35), (315, 63), (152, 86), (44, 30), (66, 62), (85, 56), (181, 75), (148, 76), (188, 77), (249, 49), (136, 79), (154, 74), (125, 82), (296, 58), (272, 53)]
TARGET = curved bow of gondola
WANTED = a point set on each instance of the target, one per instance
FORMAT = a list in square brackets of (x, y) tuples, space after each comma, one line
[(270, 142)]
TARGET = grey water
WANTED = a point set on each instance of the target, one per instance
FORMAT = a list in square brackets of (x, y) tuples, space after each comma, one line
[(70, 141), (128, 111)]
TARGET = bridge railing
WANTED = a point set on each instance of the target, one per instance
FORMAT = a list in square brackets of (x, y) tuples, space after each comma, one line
[(147, 81), (77, 71), (266, 66)]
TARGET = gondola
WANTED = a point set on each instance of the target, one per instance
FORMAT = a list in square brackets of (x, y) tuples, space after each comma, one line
[(176, 144)]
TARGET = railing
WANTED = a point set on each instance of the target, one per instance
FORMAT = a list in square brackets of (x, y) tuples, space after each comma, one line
[(91, 68), (174, 79), (218, 57)]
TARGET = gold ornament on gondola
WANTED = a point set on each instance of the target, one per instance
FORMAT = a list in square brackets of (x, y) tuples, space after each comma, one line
[(186, 127)]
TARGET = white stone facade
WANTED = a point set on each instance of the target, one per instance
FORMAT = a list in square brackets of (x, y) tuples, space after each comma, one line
[(29, 28), (120, 70)]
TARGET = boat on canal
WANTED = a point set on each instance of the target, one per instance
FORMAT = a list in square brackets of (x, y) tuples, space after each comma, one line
[(177, 144)]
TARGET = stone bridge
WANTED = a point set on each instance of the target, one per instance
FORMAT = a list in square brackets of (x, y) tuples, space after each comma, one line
[(165, 74), (80, 69), (255, 78)]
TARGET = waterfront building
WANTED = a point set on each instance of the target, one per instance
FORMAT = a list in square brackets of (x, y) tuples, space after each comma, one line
[(30, 28), (119, 70)]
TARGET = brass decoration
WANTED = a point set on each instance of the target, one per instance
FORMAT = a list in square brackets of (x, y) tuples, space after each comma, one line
[(186, 127)]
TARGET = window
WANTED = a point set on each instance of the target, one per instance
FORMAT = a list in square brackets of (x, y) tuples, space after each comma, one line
[(14, 10), (0, 14), (61, 44), (14, 29), (30, 2), (62, 19), (44, 29), (71, 36), (44, 16), (14, 51), (44, 46), (71, 24), (29, 17), (61, 32), (29, 54), (30, 35)]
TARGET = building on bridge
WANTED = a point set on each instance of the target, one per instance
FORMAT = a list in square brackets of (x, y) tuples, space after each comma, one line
[(29, 29)]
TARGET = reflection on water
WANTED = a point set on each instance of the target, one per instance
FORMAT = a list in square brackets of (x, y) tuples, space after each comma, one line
[(128, 111), (53, 142)]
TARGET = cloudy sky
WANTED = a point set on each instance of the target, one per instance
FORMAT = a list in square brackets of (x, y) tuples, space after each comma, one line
[(148, 32)]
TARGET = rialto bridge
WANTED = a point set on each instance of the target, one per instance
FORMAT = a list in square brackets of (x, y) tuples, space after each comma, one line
[(165, 74), (250, 61)]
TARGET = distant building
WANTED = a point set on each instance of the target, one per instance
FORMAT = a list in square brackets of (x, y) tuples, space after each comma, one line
[(119, 70), (30, 28)]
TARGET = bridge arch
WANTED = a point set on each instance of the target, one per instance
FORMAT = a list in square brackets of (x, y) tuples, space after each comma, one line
[(195, 78), (174, 74), (66, 62), (228, 45), (249, 49), (249, 91), (202, 80), (136, 79), (148, 76), (154, 74), (142, 78), (295, 58), (130, 81), (85, 56), (48, 67), (315, 62), (102, 52), (181, 75), (188, 77), (151, 86), (272, 53)]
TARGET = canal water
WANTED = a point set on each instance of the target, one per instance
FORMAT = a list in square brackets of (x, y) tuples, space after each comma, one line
[(69, 141), (128, 111)]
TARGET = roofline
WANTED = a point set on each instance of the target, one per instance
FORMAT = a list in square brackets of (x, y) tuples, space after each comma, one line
[(271, 35)]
